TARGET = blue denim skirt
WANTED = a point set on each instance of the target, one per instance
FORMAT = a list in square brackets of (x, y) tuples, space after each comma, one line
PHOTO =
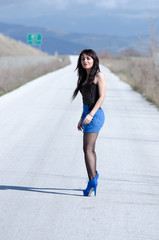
[(97, 121)]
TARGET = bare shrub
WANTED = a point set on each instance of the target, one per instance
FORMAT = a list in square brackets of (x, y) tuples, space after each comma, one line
[(104, 55), (130, 52), (14, 73), (141, 73)]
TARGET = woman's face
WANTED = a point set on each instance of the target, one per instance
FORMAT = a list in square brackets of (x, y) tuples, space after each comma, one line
[(86, 61)]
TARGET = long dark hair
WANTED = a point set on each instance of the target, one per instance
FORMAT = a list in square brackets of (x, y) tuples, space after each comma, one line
[(82, 74)]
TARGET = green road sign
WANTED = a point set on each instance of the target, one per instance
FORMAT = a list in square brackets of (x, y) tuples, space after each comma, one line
[(34, 38)]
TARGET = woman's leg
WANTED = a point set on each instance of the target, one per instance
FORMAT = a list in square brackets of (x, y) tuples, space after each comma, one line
[(89, 140)]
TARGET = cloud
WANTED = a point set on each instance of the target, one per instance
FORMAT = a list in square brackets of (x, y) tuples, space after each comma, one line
[(121, 4), (101, 4), (127, 4), (135, 16), (8, 2), (109, 4), (57, 4), (82, 7)]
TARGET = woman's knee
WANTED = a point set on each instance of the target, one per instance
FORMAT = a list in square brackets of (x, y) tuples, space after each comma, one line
[(88, 148)]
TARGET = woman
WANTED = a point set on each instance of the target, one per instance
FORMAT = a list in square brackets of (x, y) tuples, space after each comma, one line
[(92, 85)]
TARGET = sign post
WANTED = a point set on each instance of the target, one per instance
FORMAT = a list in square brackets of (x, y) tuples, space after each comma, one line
[(34, 39)]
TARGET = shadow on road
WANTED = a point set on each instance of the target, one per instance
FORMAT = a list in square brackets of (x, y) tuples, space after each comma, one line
[(43, 190)]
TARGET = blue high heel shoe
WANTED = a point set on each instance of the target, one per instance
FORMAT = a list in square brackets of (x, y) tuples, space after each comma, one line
[(97, 175), (92, 186)]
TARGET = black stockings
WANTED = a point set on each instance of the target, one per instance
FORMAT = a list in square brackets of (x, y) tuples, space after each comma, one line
[(89, 140)]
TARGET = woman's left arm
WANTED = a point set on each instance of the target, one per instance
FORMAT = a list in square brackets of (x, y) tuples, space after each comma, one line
[(102, 89)]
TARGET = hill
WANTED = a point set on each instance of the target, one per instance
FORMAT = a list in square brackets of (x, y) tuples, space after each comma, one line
[(11, 47)]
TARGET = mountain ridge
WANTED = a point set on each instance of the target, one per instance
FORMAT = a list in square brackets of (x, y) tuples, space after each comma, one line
[(72, 43)]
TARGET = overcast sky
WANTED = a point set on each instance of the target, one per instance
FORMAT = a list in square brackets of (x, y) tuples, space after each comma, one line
[(100, 16)]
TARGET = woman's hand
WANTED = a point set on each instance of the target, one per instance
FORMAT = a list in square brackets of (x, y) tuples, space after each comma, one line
[(87, 119), (79, 126)]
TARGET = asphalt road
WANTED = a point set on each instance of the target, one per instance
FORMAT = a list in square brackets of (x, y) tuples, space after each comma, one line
[(42, 171)]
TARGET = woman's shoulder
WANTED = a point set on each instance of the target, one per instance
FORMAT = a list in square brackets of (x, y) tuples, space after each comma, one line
[(98, 77)]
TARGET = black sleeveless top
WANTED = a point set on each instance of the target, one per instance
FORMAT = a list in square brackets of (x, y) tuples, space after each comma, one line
[(90, 95)]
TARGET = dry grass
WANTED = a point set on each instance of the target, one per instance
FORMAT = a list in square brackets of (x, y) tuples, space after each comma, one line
[(13, 74), (20, 63), (140, 72)]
